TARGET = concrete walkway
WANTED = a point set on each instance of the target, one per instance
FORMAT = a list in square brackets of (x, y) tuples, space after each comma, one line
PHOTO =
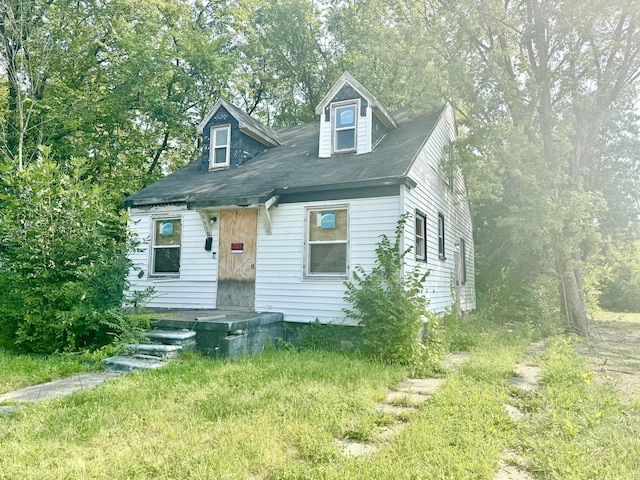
[(57, 388)]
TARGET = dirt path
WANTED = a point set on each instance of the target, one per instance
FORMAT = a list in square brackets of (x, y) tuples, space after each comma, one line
[(613, 353)]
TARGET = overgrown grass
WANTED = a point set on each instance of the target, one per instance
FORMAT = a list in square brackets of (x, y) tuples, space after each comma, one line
[(277, 415), (17, 371), (273, 416), (579, 429)]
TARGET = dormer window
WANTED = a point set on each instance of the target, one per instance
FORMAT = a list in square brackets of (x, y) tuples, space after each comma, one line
[(344, 139), (220, 147)]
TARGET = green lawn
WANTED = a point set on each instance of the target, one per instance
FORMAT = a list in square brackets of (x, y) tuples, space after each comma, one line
[(277, 415), (17, 371)]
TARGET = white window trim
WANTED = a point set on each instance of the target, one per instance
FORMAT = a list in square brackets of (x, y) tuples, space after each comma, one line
[(152, 247), (212, 147), (422, 235), (335, 130), (442, 245), (307, 244)]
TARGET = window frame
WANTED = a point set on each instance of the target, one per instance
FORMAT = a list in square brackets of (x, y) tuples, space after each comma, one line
[(463, 261), (420, 233), (335, 129), (451, 175), (213, 147), (441, 237), (154, 247), (307, 273)]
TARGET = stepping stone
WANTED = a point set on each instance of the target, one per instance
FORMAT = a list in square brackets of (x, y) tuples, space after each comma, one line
[(514, 413), (528, 378), (353, 448), (425, 386), (455, 360), (510, 472), (405, 398), (536, 347), (394, 410), (390, 432)]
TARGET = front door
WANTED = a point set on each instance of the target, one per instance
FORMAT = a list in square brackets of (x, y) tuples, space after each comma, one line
[(237, 258)]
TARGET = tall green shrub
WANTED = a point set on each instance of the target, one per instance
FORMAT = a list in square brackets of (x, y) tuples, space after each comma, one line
[(620, 279), (390, 306), (63, 258)]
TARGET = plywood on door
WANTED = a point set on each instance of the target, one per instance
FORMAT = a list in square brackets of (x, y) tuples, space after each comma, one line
[(237, 271)]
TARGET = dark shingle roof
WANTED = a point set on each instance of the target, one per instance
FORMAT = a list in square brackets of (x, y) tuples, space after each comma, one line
[(294, 165)]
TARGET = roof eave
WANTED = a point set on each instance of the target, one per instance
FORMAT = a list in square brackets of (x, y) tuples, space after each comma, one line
[(256, 135)]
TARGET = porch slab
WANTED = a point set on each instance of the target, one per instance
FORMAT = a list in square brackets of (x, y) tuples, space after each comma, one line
[(224, 333)]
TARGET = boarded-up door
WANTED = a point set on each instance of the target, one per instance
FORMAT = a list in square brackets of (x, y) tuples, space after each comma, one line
[(237, 258)]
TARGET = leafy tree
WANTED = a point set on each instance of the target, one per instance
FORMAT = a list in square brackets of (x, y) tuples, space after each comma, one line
[(62, 256), (620, 278), (286, 62), (538, 85)]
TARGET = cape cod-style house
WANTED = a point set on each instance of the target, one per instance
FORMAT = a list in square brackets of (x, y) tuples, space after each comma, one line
[(275, 220)]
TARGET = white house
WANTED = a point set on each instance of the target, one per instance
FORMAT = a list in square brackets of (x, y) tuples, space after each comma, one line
[(275, 220)]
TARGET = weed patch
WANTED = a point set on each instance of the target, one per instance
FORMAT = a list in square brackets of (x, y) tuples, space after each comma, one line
[(579, 429)]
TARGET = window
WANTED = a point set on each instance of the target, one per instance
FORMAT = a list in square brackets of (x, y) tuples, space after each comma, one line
[(441, 236), (450, 166), (327, 238), (220, 142), (165, 255), (421, 236), (463, 261), (344, 139)]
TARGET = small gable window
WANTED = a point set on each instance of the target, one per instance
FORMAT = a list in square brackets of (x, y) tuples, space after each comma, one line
[(345, 128), (220, 147)]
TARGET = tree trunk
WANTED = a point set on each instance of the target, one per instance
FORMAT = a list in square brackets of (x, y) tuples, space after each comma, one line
[(572, 301)]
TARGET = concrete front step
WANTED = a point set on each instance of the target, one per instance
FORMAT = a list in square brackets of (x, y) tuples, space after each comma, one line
[(153, 349), (125, 364), (184, 338)]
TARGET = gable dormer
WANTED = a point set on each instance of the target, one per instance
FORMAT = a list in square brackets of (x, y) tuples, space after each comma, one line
[(352, 120), (230, 137)]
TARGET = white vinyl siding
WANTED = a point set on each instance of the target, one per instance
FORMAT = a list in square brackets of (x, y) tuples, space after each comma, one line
[(432, 195), (280, 282), (196, 285)]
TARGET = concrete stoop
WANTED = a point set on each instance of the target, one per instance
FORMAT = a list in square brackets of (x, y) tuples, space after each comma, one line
[(147, 356)]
